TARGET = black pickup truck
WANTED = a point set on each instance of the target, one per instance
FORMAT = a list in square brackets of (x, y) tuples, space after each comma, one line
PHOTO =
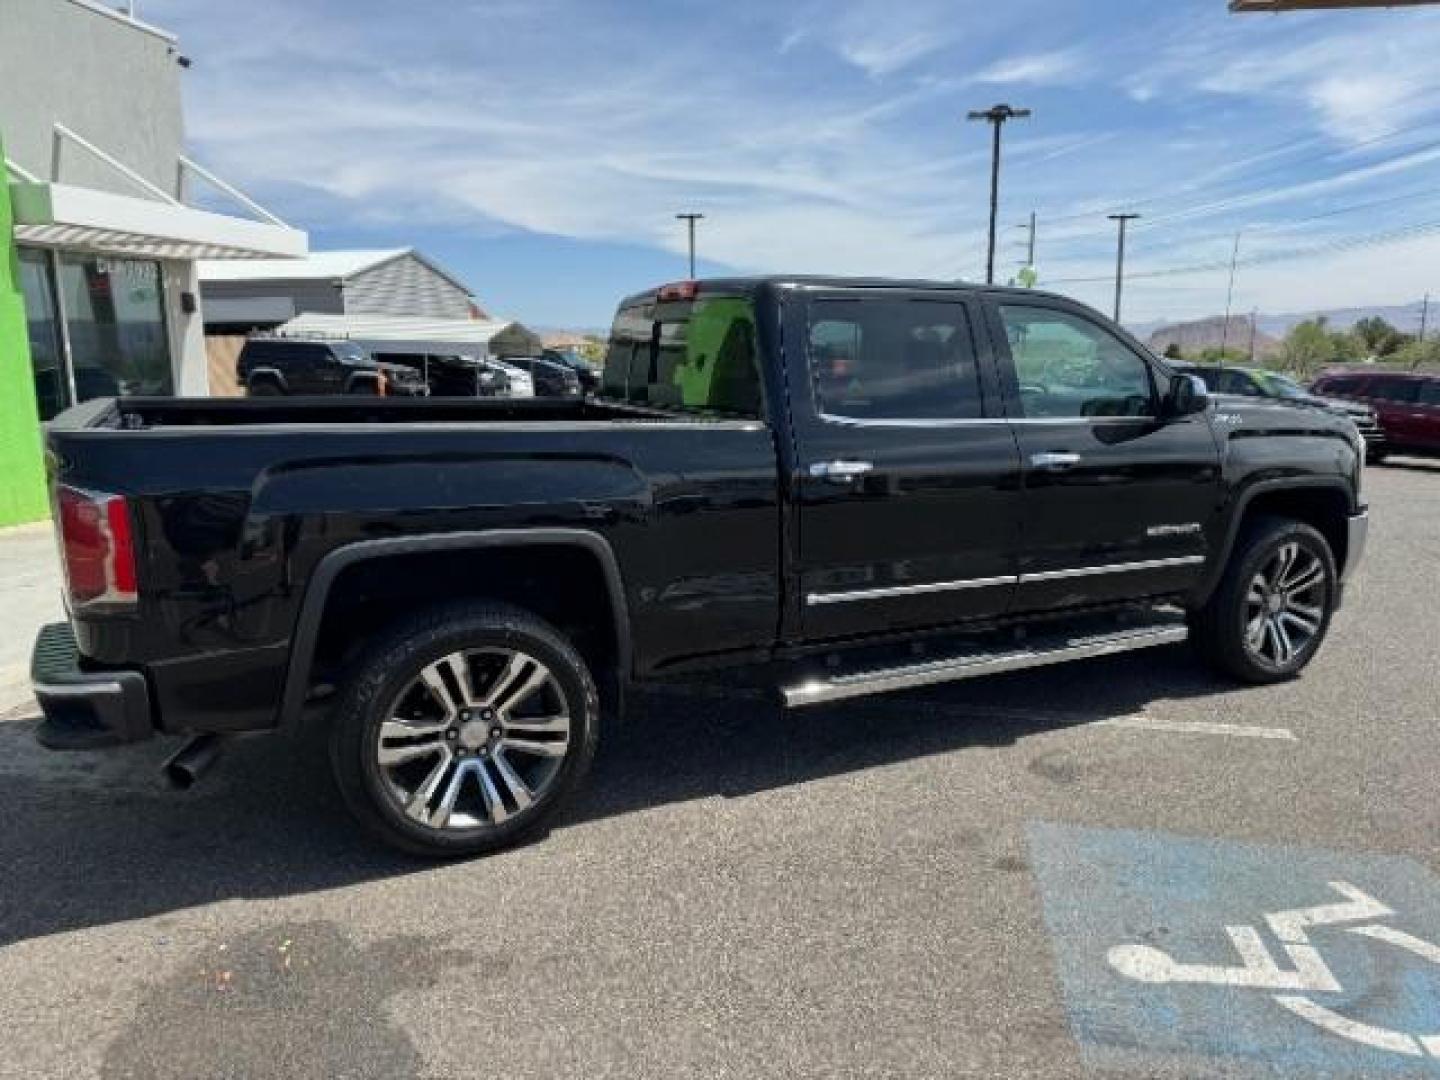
[(826, 487)]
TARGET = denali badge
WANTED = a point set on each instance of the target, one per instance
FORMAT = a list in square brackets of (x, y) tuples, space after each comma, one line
[(1187, 529)]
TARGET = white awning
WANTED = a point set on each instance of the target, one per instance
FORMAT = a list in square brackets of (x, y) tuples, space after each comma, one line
[(85, 219), (461, 337)]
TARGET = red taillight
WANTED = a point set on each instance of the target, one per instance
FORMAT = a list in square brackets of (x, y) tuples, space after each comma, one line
[(681, 290), (98, 547)]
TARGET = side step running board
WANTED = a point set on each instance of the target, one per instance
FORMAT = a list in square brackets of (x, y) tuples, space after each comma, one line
[(1054, 650)]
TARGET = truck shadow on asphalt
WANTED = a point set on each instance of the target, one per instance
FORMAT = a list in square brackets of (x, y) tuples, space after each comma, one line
[(93, 839)]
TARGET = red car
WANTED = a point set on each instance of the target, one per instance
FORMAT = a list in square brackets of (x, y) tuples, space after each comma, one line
[(1407, 404)]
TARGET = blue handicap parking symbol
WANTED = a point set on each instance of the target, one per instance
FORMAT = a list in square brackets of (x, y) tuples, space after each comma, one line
[(1273, 960)]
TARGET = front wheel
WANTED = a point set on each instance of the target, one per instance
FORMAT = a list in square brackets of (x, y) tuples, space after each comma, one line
[(464, 730), (1272, 608)]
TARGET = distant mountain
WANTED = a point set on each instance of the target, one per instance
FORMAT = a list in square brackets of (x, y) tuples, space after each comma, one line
[(601, 332), (1272, 327), (1405, 317), (1200, 334)]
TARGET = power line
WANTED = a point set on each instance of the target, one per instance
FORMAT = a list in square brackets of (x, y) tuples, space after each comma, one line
[(1327, 248), (1281, 226), (1226, 202)]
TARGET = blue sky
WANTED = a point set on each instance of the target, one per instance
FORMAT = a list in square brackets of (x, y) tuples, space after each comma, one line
[(540, 148)]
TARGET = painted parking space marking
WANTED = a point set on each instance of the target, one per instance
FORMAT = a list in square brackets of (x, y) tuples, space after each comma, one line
[(1196, 727), (1134, 721), (1285, 960)]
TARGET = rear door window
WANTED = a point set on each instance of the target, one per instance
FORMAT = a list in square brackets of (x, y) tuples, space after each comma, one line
[(1404, 391), (696, 356), (891, 358), (1430, 393)]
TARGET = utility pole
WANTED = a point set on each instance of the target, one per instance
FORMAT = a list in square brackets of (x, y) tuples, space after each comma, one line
[(1030, 246), (996, 116), (1254, 318), (1124, 220), (1424, 324), (690, 220), (1229, 298)]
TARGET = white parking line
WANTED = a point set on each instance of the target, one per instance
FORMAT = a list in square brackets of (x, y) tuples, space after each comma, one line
[(1136, 721), (1198, 727)]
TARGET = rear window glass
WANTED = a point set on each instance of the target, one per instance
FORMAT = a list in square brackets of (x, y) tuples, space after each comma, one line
[(1430, 392), (893, 359), (1341, 385), (690, 355)]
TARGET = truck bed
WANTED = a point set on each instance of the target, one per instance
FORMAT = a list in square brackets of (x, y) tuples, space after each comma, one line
[(133, 414)]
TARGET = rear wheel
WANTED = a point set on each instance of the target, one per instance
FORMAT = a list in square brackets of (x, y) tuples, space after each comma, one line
[(265, 388), (1272, 608), (465, 730)]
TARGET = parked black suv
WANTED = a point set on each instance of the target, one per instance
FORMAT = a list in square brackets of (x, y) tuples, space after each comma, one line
[(824, 487), (551, 379), (589, 377), (273, 366)]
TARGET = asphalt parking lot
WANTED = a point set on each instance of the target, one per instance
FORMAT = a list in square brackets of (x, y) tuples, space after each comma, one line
[(1030, 876)]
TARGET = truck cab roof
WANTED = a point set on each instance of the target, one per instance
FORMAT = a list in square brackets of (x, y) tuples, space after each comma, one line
[(750, 285)]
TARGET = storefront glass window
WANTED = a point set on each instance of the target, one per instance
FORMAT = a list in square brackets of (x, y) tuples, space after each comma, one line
[(51, 393), (115, 317)]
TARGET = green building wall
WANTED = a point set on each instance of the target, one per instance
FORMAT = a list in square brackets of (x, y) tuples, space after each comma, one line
[(22, 465)]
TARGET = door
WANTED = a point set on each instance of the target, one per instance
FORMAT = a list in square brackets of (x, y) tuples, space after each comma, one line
[(1427, 423), (907, 486), (1401, 414), (1118, 502)]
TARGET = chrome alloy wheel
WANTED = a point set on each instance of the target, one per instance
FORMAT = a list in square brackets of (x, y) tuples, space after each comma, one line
[(1285, 605), (475, 739)]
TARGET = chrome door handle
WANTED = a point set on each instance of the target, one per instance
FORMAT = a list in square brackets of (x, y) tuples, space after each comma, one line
[(840, 472), (1055, 462)]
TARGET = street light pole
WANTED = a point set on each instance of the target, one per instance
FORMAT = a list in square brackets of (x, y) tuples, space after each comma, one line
[(996, 116), (690, 220), (1124, 220)]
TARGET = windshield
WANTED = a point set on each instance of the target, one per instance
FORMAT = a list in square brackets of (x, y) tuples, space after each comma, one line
[(1282, 386)]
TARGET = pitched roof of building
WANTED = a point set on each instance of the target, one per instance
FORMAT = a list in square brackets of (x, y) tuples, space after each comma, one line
[(317, 266)]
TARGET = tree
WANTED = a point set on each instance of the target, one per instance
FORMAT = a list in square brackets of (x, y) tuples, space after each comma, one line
[(1378, 336), (1308, 346), (1172, 352), (1415, 354), (1349, 347), (1213, 354)]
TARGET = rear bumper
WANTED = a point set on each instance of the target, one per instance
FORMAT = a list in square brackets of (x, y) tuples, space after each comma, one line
[(85, 710), (1357, 534)]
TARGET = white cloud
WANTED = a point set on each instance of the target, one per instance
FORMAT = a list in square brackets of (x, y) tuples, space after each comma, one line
[(828, 138), (1358, 78), (1036, 69)]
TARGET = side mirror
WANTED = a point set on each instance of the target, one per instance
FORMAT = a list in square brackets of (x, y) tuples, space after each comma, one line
[(1187, 396)]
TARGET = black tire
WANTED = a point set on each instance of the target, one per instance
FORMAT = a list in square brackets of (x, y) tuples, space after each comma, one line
[(265, 388), (1219, 629), (388, 669), (1375, 457)]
